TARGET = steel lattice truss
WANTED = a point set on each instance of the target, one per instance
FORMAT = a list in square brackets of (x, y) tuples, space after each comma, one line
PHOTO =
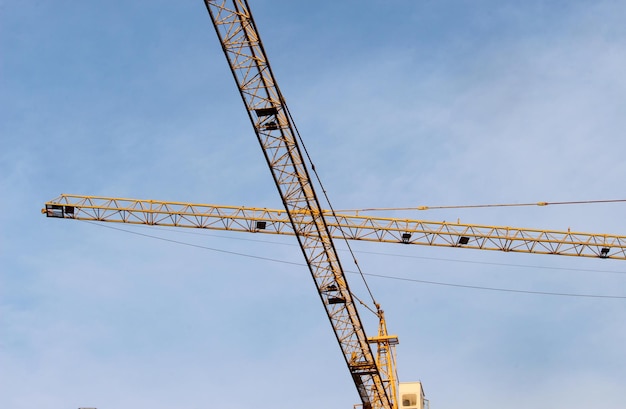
[(276, 133), (341, 226)]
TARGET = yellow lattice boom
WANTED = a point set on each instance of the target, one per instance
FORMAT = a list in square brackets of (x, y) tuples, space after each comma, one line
[(349, 226)]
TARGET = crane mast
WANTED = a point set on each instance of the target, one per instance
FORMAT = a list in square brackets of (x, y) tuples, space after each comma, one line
[(277, 136)]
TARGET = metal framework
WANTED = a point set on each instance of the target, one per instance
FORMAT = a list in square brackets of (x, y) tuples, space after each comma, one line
[(315, 228), (277, 135), (340, 226)]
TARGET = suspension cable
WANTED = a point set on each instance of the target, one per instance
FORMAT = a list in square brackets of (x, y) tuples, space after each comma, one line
[(330, 206), (376, 209)]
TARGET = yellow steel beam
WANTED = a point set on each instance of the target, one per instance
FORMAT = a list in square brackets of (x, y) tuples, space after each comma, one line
[(353, 227)]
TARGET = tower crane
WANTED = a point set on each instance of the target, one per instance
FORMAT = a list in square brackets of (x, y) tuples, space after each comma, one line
[(314, 227)]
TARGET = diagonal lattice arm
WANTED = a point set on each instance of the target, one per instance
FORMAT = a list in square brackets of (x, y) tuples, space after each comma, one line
[(276, 134)]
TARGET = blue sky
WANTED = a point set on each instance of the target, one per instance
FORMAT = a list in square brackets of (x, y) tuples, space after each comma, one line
[(400, 103)]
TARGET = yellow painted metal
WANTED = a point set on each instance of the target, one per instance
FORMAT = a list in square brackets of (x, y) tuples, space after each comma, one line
[(393, 339), (354, 227), (279, 141), (386, 357)]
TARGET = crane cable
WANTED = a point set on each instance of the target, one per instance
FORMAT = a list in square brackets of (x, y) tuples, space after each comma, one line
[(578, 202), (330, 206), (474, 287), (377, 253)]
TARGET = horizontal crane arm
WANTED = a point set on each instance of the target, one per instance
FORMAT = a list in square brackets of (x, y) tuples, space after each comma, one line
[(354, 227)]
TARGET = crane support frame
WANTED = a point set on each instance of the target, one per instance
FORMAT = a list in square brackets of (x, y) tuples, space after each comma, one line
[(353, 227)]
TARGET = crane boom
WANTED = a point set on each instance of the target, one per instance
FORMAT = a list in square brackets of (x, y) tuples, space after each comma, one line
[(276, 133), (340, 226)]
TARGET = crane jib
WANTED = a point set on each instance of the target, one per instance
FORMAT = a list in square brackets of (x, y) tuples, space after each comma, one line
[(350, 226)]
